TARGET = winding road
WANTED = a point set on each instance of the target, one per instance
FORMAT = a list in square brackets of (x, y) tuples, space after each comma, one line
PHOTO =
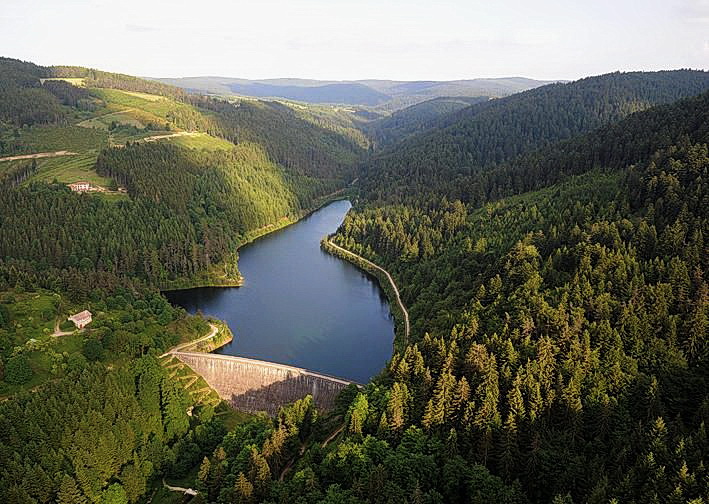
[(407, 328), (182, 346), (39, 155), (185, 491)]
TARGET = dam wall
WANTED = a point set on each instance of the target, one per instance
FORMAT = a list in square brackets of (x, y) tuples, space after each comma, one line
[(253, 385)]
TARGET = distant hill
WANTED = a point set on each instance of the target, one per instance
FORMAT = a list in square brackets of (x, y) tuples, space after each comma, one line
[(415, 118), (383, 94), (486, 134)]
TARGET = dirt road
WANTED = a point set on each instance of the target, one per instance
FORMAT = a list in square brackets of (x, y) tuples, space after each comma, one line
[(391, 281), (182, 346), (39, 155)]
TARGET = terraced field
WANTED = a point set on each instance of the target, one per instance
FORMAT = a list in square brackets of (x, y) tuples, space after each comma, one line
[(121, 117), (71, 169), (55, 138)]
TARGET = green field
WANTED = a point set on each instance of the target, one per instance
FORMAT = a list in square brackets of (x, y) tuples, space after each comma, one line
[(68, 169), (55, 138), (156, 105), (74, 81), (122, 117), (200, 141), (31, 318), (128, 117)]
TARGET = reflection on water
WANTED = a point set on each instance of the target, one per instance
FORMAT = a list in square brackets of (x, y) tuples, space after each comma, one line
[(301, 306)]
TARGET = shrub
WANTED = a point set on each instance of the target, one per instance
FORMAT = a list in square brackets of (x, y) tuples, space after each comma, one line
[(18, 370), (92, 350)]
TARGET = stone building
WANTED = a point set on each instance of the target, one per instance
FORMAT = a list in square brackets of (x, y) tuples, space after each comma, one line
[(81, 319), (80, 186)]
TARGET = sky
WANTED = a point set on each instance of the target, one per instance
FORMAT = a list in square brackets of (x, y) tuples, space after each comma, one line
[(359, 39)]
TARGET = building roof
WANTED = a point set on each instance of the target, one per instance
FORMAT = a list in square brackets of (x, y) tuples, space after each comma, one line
[(81, 317)]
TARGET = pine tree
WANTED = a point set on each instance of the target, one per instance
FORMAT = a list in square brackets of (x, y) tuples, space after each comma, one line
[(358, 413), (243, 490), (69, 492)]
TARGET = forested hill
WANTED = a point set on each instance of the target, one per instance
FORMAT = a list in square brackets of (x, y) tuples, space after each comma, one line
[(615, 145), (384, 95), (293, 139), (550, 248), (419, 117), (558, 350), (489, 133), (232, 168)]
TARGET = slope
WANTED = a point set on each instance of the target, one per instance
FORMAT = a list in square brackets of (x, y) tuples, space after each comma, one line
[(488, 133), (386, 95), (197, 175)]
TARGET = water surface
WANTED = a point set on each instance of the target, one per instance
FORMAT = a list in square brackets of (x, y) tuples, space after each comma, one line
[(301, 306)]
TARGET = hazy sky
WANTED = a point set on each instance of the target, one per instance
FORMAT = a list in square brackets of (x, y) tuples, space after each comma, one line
[(356, 39)]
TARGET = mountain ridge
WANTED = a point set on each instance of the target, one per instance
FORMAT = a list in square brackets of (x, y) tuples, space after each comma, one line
[(380, 93)]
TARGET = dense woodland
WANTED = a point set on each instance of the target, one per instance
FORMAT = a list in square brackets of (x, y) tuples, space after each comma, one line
[(174, 228), (559, 345), (478, 137), (550, 248), (416, 118)]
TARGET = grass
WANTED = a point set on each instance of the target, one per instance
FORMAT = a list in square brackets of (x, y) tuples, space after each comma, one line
[(132, 112), (156, 105), (31, 315), (199, 390), (70, 169), (125, 117), (30, 318), (74, 81), (200, 141), (56, 138), (145, 96)]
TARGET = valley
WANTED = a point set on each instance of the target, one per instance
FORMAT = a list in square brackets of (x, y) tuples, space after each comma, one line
[(513, 270)]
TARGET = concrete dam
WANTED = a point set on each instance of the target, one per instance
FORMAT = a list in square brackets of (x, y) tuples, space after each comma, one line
[(253, 385)]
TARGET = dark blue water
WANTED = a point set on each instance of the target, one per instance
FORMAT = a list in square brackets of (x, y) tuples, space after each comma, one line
[(301, 306)]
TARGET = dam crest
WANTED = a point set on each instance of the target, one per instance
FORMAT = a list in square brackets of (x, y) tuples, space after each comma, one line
[(254, 385)]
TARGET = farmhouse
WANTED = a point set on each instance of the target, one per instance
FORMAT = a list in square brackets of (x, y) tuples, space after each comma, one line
[(81, 319), (80, 187)]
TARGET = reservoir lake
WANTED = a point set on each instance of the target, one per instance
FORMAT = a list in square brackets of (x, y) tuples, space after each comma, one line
[(301, 306)]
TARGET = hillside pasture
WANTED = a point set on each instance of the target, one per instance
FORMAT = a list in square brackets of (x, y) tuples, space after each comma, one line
[(200, 141), (74, 81), (70, 169), (56, 138)]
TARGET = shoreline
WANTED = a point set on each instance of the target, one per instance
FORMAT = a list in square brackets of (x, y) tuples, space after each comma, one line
[(402, 328), (220, 334), (250, 237)]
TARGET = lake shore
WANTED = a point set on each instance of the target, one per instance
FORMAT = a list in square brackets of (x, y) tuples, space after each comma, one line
[(226, 274), (302, 306)]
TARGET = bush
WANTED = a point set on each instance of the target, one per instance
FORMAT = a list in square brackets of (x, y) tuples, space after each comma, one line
[(18, 370), (75, 363), (92, 350), (66, 325)]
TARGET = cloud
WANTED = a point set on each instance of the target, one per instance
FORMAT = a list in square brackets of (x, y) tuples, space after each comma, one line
[(695, 11), (140, 28)]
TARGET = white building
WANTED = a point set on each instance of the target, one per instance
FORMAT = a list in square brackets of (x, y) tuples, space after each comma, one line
[(81, 319), (80, 186)]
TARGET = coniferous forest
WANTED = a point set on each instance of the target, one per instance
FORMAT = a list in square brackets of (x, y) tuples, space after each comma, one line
[(549, 247)]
